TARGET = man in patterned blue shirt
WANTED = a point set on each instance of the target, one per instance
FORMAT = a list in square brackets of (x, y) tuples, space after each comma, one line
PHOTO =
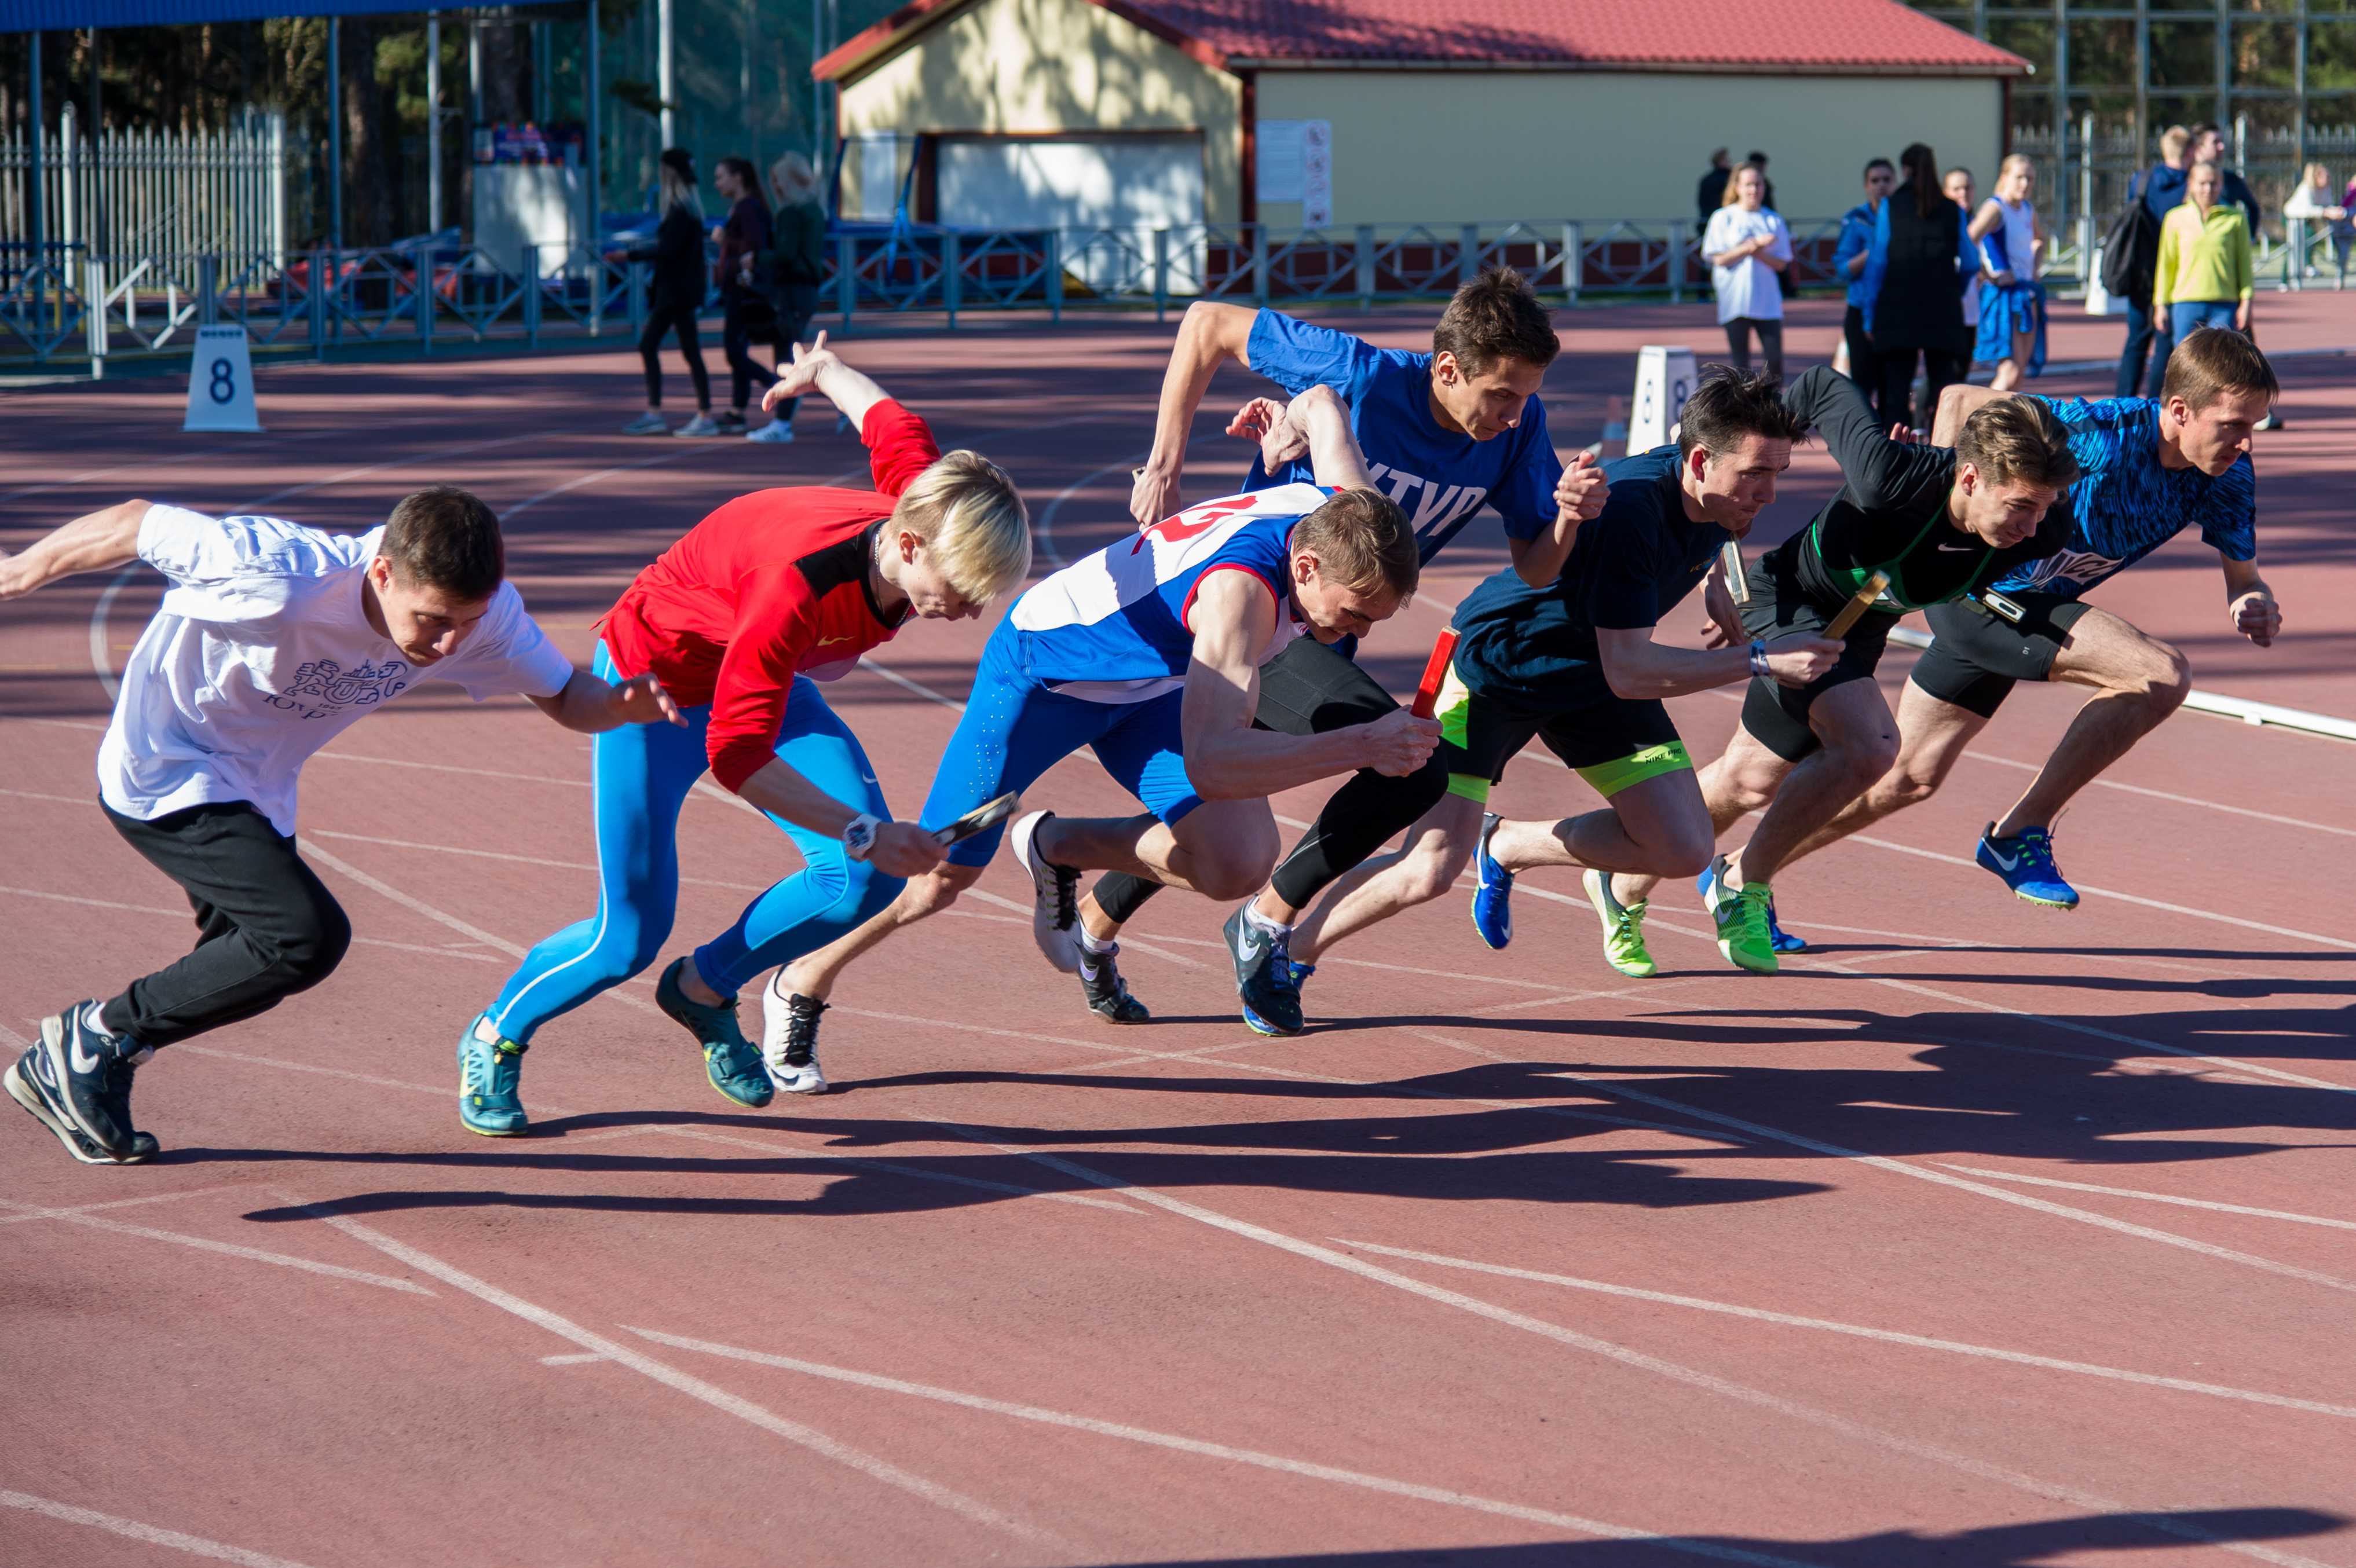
[(2149, 468)]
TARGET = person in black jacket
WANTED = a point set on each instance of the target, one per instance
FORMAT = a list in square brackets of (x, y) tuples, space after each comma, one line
[(1914, 277), (678, 288), (794, 266), (1711, 193), (1940, 524), (743, 236)]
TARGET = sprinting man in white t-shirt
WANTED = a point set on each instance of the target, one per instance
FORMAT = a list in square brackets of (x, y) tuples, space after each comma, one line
[(270, 640)]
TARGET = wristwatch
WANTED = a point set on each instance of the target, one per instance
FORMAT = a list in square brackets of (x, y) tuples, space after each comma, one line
[(1759, 660), (860, 837)]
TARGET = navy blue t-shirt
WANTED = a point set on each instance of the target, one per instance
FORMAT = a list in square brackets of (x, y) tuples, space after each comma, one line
[(1439, 477), (1630, 567)]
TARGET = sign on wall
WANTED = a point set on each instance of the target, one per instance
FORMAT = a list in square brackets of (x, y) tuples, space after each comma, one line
[(1296, 164)]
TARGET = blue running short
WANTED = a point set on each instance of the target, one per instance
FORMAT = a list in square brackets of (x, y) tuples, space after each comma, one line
[(1015, 729)]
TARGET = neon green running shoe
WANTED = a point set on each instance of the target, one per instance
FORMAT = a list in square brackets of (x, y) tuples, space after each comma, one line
[(1623, 927), (1742, 934)]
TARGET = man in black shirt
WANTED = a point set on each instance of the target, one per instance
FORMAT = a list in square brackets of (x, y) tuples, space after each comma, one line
[(1574, 663), (1711, 193), (1940, 524)]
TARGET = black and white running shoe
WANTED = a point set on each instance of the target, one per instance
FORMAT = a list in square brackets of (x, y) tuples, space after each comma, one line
[(790, 1038), (1107, 995), (76, 1079), (1055, 912)]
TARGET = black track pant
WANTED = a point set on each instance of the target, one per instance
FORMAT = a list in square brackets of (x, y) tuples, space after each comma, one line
[(744, 372), (1940, 371), (679, 320), (267, 927), (1309, 690)]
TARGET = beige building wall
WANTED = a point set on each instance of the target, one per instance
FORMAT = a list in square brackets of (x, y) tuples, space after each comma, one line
[(1596, 146), (1047, 65)]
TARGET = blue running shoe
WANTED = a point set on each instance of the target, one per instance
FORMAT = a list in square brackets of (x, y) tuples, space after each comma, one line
[(730, 1060), (1492, 896), (1783, 941), (1713, 886), (1299, 971), (1264, 982), (2025, 863), (490, 1072)]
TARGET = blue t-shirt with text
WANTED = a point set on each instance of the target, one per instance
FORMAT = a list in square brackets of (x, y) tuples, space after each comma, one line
[(1439, 477)]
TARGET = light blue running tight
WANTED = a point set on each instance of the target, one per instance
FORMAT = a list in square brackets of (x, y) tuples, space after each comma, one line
[(642, 773)]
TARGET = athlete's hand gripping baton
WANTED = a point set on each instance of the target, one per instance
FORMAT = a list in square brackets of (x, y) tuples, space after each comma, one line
[(1857, 606), (1427, 690), (1738, 581), (989, 814)]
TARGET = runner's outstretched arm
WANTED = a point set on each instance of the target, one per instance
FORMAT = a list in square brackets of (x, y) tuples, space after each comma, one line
[(589, 705), (1957, 404), (1878, 471), (1208, 334), (1322, 417), (94, 542), (819, 370)]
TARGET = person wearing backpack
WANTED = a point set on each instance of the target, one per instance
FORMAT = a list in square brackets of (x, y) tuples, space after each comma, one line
[(2131, 257)]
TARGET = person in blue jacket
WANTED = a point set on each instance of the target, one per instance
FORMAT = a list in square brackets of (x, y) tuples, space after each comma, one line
[(1848, 265)]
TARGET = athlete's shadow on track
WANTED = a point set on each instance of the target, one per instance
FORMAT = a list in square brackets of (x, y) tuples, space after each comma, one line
[(1996, 1546)]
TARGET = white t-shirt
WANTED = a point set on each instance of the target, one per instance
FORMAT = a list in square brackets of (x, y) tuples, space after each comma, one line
[(262, 653), (1750, 287)]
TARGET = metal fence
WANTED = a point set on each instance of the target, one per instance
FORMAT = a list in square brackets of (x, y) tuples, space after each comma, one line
[(152, 193)]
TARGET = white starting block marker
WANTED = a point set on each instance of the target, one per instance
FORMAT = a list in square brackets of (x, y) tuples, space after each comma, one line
[(220, 382), (1665, 377)]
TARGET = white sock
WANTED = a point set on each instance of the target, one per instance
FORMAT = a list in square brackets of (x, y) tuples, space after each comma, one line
[(1251, 913), (1099, 945)]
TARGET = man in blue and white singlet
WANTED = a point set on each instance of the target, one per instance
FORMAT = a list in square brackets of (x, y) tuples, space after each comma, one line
[(2149, 468), (1149, 653)]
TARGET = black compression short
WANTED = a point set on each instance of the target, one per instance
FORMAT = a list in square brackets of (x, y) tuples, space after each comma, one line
[(1775, 714), (1975, 656)]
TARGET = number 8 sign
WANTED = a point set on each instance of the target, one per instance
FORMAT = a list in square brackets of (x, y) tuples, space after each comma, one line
[(220, 382)]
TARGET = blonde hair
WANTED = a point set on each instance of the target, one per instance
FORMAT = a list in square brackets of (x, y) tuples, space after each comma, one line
[(972, 521), (2316, 174), (675, 189), (2014, 161), (2173, 141), (793, 180), (1733, 197), (1362, 542)]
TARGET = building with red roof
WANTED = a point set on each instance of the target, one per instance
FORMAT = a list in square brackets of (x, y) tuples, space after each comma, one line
[(992, 113)]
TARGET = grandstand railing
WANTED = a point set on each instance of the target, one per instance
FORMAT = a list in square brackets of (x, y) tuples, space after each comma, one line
[(71, 302)]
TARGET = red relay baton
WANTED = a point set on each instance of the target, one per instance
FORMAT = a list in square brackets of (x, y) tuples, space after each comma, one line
[(1427, 691)]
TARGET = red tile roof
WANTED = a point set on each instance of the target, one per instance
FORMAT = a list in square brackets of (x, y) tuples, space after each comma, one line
[(1876, 36)]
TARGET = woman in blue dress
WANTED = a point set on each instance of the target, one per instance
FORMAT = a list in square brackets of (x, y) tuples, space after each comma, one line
[(2012, 302)]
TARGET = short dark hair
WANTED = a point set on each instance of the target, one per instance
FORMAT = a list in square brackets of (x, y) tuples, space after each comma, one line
[(1361, 540), (1496, 316), (2211, 360), (2193, 133), (1730, 404), (1873, 164), (2017, 440), (445, 537), (1757, 157)]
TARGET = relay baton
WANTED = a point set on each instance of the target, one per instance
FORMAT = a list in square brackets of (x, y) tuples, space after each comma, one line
[(1427, 690), (989, 814), (1857, 606), (1738, 581)]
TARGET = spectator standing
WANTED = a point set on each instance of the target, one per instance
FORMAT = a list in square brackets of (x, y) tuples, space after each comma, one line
[(1711, 196), (743, 237), (1961, 189), (2204, 278), (2012, 300), (2208, 146), (1757, 160), (1915, 275), (2314, 204), (794, 265), (2161, 190), (1864, 364), (679, 287), (1748, 247)]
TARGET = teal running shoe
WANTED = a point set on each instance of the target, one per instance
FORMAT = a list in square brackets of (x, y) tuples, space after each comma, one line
[(1492, 891), (491, 1067), (1264, 983), (730, 1060), (2025, 863)]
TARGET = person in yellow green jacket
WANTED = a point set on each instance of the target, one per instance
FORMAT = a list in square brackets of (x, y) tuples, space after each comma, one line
[(2203, 278)]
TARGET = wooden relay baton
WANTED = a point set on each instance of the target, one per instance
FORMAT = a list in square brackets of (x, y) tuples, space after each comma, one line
[(1738, 581), (1857, 606)]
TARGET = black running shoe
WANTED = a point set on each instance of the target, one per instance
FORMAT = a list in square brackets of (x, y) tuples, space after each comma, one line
[(1271, 997), (77, 1082), (1107, 992)]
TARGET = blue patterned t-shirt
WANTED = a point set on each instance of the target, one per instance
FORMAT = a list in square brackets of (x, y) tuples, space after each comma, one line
[(2125, 504)]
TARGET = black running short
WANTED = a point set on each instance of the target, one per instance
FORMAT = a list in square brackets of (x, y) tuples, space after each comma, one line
[(1612, 743), (1775, 714), (1976, 654)]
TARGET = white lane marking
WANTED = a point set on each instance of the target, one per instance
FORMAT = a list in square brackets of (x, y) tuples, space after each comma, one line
[(720, 1399), (902, 681), (100, 663), (119, 1202), (1215, 1450), (153, 1534), (398, 463), (2178, 799), (418, 906), (447, 768), (520, 859), (1043, 532), (1917, 1341), (61, 799), (1709, 1381), (685, 449), (255, 1254), (1920, 1173), (278, 1064), (776, 1151), (580, 1359), (2158, 1198), (183, 914)]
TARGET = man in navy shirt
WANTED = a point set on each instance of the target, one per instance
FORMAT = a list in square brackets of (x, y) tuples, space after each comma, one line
[(1443, 433), (1573, 663), (2148, 470)]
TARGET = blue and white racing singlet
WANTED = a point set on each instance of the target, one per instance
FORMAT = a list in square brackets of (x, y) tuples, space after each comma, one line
[(1115, 627)]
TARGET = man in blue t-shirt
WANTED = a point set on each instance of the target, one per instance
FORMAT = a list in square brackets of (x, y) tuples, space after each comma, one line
[(1849, 256), (1444, 433), (1573, 663), (2148, 469)]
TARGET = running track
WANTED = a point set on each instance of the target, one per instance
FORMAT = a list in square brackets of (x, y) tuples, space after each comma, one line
[(1981, 1235)]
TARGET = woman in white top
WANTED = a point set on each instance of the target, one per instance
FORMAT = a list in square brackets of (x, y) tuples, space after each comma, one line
[(2012, 302), (2316, 202), (1747, 246)]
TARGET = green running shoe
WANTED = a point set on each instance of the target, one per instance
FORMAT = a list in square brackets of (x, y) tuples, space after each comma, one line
[(1623, 927), (730, 1060), (490, 1069), (1742, 934)]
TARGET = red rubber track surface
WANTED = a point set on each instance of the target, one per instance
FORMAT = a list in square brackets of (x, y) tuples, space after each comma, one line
[(1706, 1267)]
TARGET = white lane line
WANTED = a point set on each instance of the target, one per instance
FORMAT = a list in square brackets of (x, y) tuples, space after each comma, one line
[(100, 662), (447, 768), (2178, 799), (580, 1359), (396, 464), (720, 1399), (74, 1216), (183, 914), (686, 449), (775, 1151), (518, 859), (1921, 1173), (310, 848), (61, 799), (902, 681), (120, 1202), (1709, 1381), (279, 1064), (2156, 1198), (1043, 532), (1917, 1341), (1217, 1451), (153, 1534)]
